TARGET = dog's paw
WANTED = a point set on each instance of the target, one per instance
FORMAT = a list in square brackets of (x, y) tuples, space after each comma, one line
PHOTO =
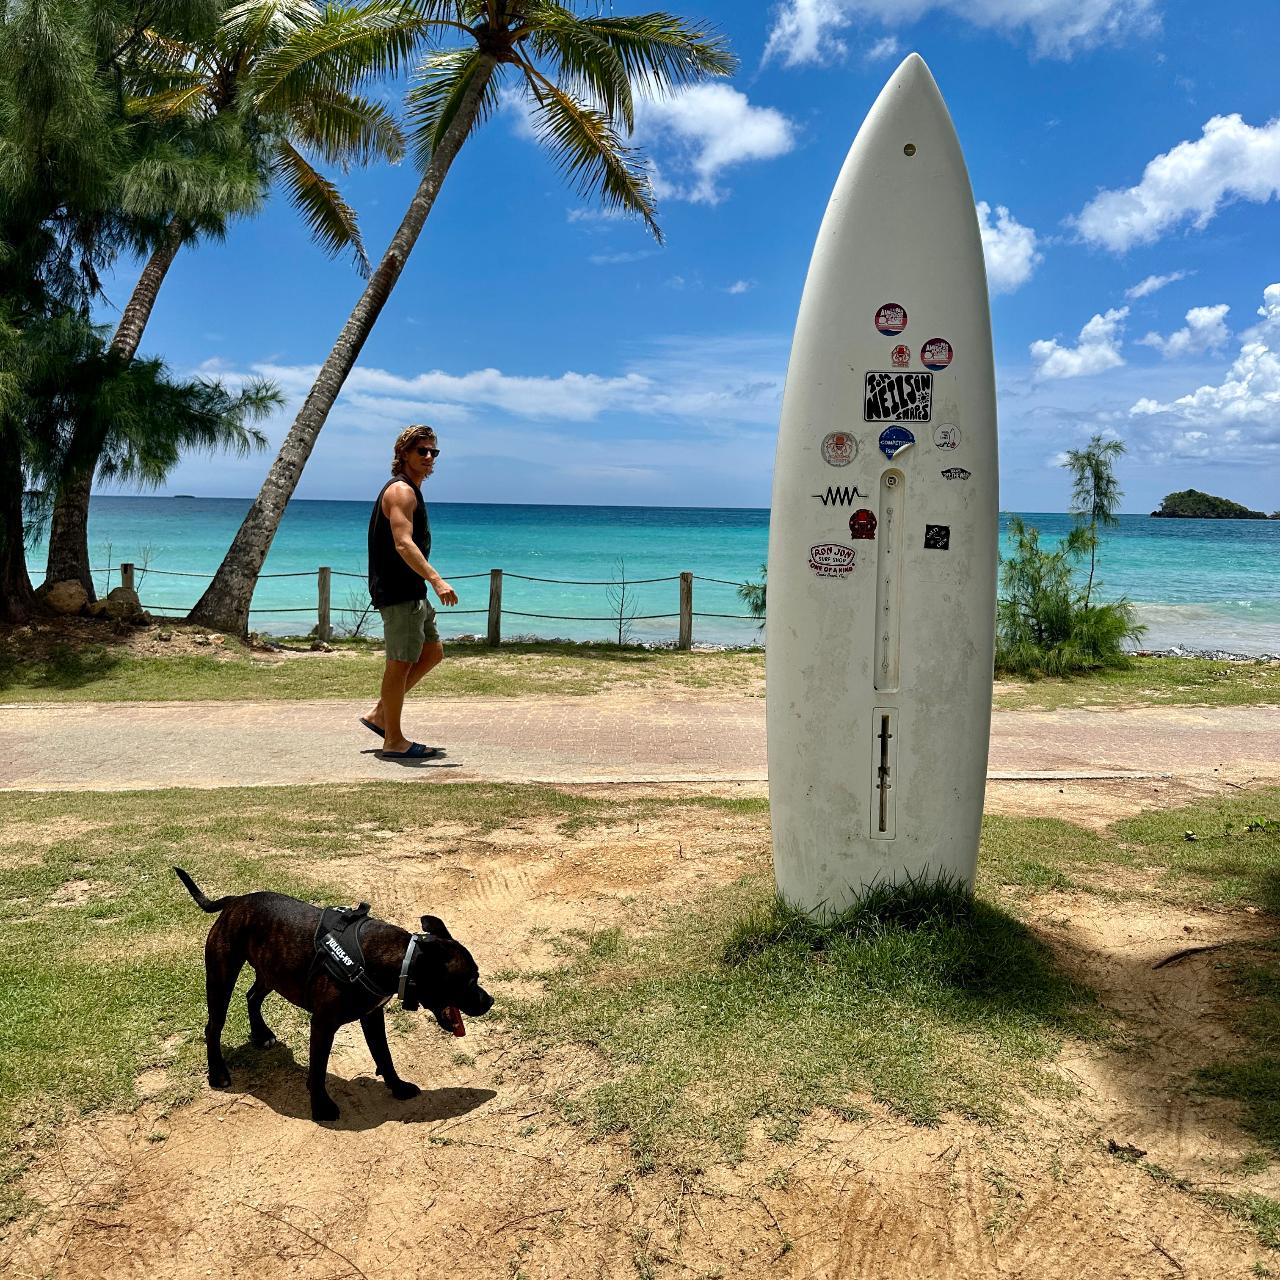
[(403, 1090), (220, 1078), (323, 1109)]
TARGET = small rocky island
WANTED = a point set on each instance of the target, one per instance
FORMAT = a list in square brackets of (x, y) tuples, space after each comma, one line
[(1191, 504)]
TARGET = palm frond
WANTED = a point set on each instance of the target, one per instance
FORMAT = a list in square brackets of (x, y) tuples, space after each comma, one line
[(586, 64), (662, 52), (443, 79), (346, 129), (331, 221), (255, 25), (191, 99), (588, 149), (346, 48)]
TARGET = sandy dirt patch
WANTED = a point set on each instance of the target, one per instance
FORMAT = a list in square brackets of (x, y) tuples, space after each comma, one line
[(480, 1177)]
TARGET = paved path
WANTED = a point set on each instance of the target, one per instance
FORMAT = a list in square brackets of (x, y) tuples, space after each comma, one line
[(117, 746)]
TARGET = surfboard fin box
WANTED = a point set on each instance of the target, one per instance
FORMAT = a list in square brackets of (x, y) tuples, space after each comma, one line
[(885, 756)]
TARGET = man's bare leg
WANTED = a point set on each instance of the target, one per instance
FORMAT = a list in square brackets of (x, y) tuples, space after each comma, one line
[(409, 675)]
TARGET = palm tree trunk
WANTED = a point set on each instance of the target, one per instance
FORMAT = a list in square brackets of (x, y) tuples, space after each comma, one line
[(69, 526), (16, 596), (225, 603)]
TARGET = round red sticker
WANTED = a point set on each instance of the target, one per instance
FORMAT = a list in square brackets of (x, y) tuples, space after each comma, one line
[(936, 354), (891, 319)]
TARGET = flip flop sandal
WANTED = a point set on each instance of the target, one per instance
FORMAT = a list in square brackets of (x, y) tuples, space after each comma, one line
[(373, 728), (416, 751)]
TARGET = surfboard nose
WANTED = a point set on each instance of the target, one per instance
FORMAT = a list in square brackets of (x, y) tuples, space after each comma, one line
[(913, 72)]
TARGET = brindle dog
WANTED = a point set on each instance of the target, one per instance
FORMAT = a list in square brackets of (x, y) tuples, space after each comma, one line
[(276, 935)]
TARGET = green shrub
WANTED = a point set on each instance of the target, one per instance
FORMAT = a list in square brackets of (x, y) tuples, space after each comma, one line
[(1045, 625)]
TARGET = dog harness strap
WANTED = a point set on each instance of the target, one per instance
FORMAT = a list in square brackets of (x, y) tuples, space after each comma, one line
[(337, 944)]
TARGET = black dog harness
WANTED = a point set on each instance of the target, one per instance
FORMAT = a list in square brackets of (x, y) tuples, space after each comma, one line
[(339, 954)]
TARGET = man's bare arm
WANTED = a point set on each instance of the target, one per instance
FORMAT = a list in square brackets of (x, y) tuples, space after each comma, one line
[(398, 505)]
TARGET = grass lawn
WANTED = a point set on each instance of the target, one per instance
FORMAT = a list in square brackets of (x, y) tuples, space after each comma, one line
[(723, 1012), (101, 672)]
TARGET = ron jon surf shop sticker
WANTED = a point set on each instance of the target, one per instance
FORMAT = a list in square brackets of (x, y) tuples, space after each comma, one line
[(831, 559)]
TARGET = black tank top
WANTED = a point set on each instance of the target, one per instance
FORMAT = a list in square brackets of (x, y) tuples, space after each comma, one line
[(391, 581)]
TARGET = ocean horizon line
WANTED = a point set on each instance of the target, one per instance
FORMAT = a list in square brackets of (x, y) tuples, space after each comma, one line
[(465, 502)]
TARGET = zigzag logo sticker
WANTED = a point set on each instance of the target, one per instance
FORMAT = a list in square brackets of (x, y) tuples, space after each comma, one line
[(839, 495)]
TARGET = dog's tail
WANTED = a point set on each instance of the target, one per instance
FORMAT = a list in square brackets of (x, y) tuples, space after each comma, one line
[(194, 890)]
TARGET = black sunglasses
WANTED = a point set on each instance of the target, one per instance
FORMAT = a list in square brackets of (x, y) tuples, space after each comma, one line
[(425, 451)]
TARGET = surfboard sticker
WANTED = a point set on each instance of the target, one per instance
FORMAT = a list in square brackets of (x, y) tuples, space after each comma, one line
[(900, 356), (839, 448), (937, 537), (831, 560), (894, 439), (840, 495), (862, 524), (891, 319), (936, 354), (956, 473), (946, 436), (898, 397)]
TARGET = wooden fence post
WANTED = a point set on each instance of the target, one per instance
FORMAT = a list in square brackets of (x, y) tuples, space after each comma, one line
[(324, 577), (495, 607), (685, 640), (126, 576)]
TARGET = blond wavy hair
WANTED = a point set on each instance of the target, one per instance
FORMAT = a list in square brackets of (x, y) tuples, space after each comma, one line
[(405, 441)]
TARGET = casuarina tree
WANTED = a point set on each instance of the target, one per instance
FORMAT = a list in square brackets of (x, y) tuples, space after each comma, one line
[(579, 71), (1095, 493), (225, 113)]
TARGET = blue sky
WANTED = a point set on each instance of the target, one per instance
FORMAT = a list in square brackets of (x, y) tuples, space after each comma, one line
[(1125, 157)]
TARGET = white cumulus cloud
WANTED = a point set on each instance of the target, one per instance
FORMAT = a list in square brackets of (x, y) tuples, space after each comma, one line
[(1009, 248), (886, 47), (806, 31), (1153, 284), (1097, 349), (701, 131), (812, 31), (1230, 161), (1243, 410), (1205, 330)]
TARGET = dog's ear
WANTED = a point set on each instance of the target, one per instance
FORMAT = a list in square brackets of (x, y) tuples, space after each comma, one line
[(435, 926)]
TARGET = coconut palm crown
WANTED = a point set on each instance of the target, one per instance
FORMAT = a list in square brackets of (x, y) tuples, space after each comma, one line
[(279, 80), (580, 70)]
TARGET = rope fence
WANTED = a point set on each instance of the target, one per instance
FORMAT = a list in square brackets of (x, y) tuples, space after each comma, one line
[(323, 610)]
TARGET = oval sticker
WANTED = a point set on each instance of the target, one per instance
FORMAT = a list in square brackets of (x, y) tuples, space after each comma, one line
[(891, 319), (936, 354), (839, 448)]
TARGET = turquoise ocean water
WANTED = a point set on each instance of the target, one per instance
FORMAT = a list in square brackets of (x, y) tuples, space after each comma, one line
[(1199, 583)]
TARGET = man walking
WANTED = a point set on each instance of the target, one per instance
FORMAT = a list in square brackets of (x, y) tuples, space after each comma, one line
[(399, 544)]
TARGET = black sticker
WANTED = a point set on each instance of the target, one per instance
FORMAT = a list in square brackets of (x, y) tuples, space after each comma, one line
[(898, 397), (937, 537)]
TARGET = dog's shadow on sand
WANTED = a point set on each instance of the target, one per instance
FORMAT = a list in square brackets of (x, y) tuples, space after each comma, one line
[(279, 1081)]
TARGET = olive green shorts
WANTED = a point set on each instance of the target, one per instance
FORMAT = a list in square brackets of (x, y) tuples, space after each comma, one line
[(406, 627)]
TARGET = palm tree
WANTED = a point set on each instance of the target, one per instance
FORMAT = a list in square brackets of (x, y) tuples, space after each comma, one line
[(579, 73), (276, 79), (1095, 493)]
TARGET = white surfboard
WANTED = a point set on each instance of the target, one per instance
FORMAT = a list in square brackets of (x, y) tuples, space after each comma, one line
[(883, 535)]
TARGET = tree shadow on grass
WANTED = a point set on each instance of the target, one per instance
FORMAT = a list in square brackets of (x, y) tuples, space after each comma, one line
[(62, 666)]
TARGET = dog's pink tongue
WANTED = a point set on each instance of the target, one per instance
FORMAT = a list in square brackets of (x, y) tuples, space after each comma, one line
[(454, 1017)]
